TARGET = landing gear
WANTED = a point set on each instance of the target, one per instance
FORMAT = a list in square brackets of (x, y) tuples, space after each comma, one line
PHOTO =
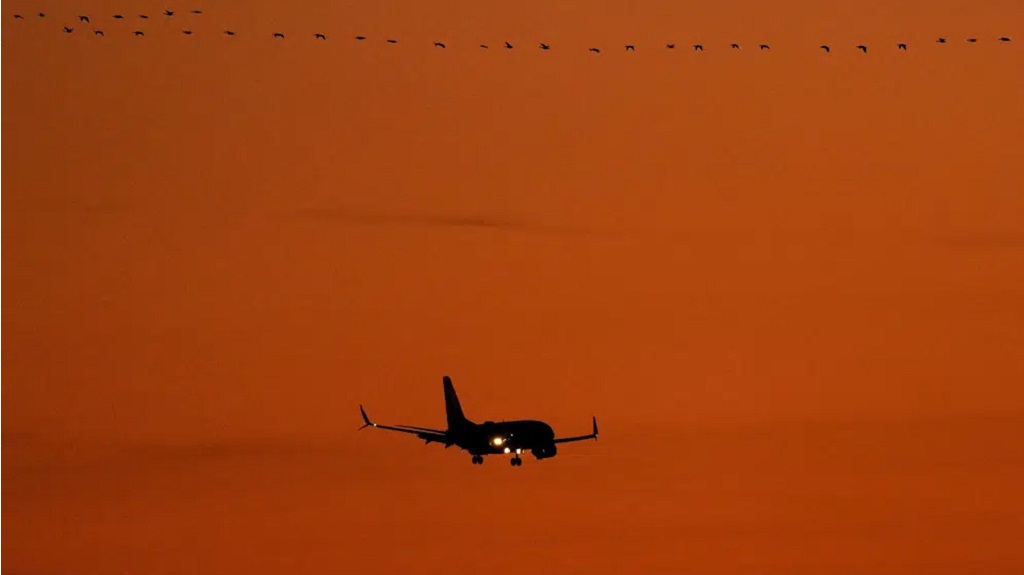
[(516, 461), (478, 460)]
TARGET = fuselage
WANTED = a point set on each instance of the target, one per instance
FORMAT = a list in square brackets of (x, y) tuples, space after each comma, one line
[(495, 437)]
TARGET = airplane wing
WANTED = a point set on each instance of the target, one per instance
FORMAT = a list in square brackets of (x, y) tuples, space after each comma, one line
[(424, 433), (593, 435)]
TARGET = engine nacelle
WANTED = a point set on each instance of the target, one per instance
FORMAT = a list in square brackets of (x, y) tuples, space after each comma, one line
[(545, 452)]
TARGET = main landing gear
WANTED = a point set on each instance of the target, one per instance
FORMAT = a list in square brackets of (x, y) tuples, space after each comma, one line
[(478, 460), (516, 461)]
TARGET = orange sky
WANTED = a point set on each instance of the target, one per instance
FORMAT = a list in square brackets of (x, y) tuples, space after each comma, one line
[(790, 286)]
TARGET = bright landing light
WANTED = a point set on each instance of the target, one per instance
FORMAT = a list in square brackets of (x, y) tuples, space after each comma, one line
[(507, 450), (497, 441)]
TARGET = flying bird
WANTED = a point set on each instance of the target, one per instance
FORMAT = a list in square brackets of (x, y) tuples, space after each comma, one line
[(19, 17), (544, 46), (507, 45), (972, 40), (765, 47), (484, 46), (168, 13), (941, 40), (98, 32), (594, 50), (630, 48), (392, 41), (901, 46), (138, 33), (862, 48), (197, 11), (698, 47), (42, 14), (440, 44), (734, 46), (670, 46), (825, 48), (278, 35), (1004, 39), (118, 17), (319, 36), (229, 32), (186, 32), (83, 19), (143, 16), (360, 37), (68, 30)]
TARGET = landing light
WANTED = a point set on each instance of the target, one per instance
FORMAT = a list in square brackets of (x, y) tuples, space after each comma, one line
[(507, 450), (497, 441)]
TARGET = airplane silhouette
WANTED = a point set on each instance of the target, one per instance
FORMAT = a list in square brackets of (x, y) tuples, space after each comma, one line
[(487, 438)]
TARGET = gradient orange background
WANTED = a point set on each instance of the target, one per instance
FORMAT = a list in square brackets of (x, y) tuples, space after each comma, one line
[(790, 286)]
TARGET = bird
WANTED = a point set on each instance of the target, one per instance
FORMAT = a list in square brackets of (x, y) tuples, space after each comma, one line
[(138, 33), (698, 47), (319, 36), (42, 14), (19, 17), (941, 40), (901, 46), (484, 46), (278, 35), (68, 30), (1004, 39), (440, 44), (734, 46), (765, 47), (186, 32), (197, 11), (360, 37), (972, 40), (544, 46), (118, 17), (508, 45), (594, 50), (392, 41), (143, 16), (229, 32), (825, 48), (83, 19), (168, 13), (670, 46), (98, 32), (862, 48), (630, 48)]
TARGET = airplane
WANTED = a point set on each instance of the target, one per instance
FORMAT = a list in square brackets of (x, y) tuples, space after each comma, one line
[(487, 438)]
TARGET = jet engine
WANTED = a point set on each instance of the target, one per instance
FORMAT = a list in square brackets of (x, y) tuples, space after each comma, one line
[(545, 452)]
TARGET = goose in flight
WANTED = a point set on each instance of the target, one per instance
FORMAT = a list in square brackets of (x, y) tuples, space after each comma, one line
[(630, 48), (229, 32), (901, 46), (972, 40), (138, 33), (734, 46), (68, 30), (186, 32), (670, 46), (98, 32), (862, 48), (278, 35), (319, 36), (765, 47), (197, 11), (118, 17), (143, 16), (941, 41), (19, 17), (484, 46), (544, 46), (168, 13), (1004, 39), (360, 37), (698, 47), (83, 19), (508, 45), (594, 50), (825, 48), (43, 15), (440, 44), (392, 41)]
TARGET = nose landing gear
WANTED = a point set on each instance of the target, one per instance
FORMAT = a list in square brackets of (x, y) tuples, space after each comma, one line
[(516, 461), (478, 460)]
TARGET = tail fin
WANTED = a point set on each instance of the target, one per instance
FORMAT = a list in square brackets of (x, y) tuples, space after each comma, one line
[(451, 406)]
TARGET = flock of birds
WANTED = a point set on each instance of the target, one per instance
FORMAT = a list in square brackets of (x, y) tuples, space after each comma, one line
[(507, 45)]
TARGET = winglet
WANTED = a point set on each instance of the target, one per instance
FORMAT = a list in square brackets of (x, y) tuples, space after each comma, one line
[(366, 420), (595, 428)]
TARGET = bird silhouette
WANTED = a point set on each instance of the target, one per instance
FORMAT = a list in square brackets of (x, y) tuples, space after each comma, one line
[(594, 50), (118, 17), (138, 33), (698, 47), (319, 36), (42, 14), (278, 35), (765, 47), (360, 37), (972, 40), (197, 11), (98, 32), (825, 48), (941, 40), (508, 45), (901, 46), (670, 46), (68, 30), (440, 44), (19, 17), (168, 13), (229, 32), (862, 48), (484, 46), (392, 41), (544, 46), (630, 48), (186, 32), (83, 19), (143, 16), (734, 46), (1004, 39)]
